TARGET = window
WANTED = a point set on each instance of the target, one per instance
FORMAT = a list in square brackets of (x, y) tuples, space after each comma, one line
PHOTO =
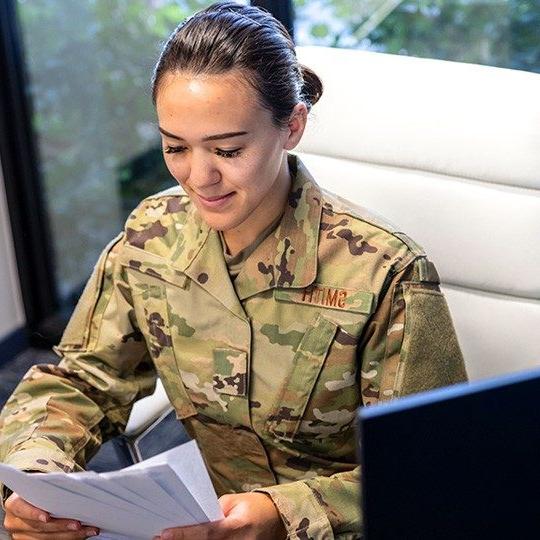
[(89, 66), (501, 33)]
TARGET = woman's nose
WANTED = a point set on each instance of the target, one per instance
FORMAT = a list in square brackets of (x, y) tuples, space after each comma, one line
[(202, 172)]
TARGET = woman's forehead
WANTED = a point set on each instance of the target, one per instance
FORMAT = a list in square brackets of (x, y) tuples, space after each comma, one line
[(219, 96)]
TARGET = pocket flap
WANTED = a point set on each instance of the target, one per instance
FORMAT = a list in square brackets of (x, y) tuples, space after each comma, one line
[(307, 364), (152, 312), (152, 265)]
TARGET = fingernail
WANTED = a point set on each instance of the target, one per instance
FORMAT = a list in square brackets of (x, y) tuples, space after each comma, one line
[(167, 535), (92, 532), (43, 518), (74, 526)]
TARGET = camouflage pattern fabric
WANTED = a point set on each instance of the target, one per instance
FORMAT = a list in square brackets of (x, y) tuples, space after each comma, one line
[(333, 310)]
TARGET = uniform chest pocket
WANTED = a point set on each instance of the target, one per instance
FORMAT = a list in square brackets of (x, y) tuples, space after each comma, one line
[(201, 373), (307, 364), (152, 312), (319, 399), (216, 380)]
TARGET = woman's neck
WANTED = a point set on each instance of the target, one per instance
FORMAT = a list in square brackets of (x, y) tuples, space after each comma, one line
[(268, 211)]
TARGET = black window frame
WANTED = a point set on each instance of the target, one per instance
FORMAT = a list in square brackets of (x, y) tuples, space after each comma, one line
[(282, 10), (23, 183)]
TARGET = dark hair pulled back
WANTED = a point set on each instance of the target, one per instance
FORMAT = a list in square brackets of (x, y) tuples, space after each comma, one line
[(227, 36)]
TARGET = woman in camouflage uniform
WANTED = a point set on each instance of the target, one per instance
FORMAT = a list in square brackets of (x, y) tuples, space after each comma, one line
[(270, 308)]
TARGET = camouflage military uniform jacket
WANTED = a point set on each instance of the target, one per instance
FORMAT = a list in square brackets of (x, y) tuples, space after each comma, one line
[(348, 309)]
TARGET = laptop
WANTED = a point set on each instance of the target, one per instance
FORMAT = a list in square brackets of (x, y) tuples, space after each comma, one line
[(461, 462)]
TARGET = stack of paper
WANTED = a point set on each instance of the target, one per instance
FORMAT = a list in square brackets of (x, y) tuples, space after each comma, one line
[(172, 489)]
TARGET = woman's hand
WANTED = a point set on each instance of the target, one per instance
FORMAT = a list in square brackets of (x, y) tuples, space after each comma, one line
[(247, 516), (26, 522)]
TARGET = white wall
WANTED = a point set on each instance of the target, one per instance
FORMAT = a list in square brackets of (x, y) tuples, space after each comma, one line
[(11, 306)]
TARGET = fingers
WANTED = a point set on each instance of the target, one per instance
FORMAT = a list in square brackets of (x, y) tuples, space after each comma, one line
[(22, 529), (199, 532), (23, 520), (56, 527), (29, 535), (227, 503), (53, 525), (22, 509), (216, 530)]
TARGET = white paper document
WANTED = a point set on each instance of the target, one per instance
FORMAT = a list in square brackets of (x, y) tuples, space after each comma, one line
[(172, 489)]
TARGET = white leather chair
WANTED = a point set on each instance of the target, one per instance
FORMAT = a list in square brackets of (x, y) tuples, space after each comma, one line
[(451, 153)]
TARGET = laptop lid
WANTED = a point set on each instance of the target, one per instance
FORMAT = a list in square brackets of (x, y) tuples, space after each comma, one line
[(460, 462)]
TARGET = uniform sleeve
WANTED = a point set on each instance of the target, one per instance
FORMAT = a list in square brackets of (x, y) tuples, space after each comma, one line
[(409, 345), (58, 416)]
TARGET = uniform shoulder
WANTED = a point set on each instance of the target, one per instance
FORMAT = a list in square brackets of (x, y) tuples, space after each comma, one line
[(365, 222), (169, 201), (157, 220)]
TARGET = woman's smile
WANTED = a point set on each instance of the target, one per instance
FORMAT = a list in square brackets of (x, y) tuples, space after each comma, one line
[(215, 202)]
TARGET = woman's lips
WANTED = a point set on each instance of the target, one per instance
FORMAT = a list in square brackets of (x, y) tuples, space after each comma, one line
[(215, 202)]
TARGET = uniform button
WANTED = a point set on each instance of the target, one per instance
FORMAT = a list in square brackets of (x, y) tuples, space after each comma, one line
[(202, 278)]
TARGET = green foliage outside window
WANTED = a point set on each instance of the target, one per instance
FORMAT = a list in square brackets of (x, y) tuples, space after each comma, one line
[(503, 33), (89, 65)]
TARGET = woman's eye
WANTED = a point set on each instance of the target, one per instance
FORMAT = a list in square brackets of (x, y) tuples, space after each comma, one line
[(174, 149), (228, 153), (219, 152)]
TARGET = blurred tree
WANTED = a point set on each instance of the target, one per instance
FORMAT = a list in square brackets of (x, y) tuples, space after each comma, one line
[(503, 33), (90, 64)]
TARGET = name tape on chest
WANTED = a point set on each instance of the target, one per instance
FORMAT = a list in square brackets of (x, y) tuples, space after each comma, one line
[(329, 297)]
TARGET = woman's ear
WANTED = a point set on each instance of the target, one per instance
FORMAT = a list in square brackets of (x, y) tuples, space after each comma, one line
[(296, 125)]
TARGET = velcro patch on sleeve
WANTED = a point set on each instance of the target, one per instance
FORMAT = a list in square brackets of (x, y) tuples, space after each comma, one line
[(329, 297)]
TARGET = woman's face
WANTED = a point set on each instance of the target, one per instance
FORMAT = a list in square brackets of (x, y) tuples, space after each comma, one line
[(224, 150)]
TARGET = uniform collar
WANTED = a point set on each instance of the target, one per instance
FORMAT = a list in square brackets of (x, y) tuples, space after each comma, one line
[(287, 258)]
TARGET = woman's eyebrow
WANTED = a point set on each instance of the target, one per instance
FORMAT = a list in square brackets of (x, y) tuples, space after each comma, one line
[(209, 138)]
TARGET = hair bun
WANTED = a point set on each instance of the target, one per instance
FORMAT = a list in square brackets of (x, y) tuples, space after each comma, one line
[(313, 87)]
